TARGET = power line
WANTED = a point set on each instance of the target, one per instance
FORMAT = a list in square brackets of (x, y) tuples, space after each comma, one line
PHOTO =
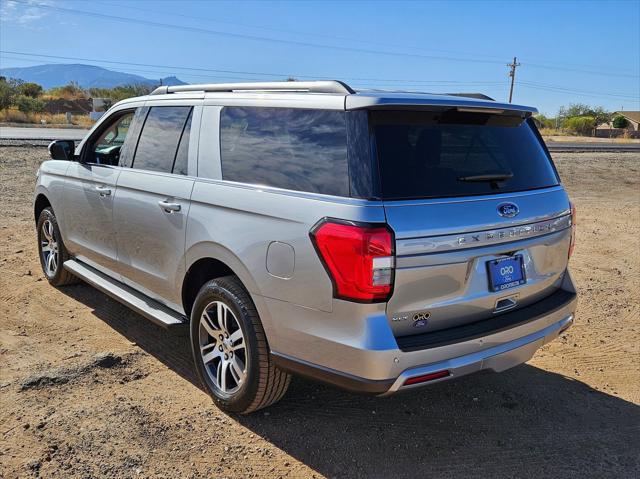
[(271, 74), (295, 42), (295, 32), (574, 90), (152, 73), (250, 37), (168, 70), (537, 63), (575, 93)]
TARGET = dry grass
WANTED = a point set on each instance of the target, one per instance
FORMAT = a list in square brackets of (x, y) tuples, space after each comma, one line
[(554, 132), (16, 116)]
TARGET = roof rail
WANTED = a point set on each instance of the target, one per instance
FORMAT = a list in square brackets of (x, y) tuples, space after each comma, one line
[(329, 86)]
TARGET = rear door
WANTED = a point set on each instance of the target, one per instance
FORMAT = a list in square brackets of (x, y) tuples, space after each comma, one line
[(152, 205), (482, 225)]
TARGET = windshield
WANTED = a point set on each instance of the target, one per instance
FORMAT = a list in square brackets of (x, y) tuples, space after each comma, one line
[(451, 153)]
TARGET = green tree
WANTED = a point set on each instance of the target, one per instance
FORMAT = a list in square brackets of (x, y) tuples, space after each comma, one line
[(582, 125), (620, 122), (7, 92), (599, 114), (32, 90)]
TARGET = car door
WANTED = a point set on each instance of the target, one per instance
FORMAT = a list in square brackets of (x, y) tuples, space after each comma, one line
[(90, 190), (152, 205)]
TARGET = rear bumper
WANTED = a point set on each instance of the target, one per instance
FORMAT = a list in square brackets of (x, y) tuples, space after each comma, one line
[(497, 358), (514, 340)]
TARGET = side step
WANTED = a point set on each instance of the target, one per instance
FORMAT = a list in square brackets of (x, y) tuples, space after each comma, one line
[(138, 302)]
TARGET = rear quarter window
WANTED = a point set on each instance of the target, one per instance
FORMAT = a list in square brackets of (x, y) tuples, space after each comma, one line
[(158, 146), (443, 154), (295, 149)]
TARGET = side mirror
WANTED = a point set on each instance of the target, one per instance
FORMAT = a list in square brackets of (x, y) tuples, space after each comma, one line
[(62, 149)]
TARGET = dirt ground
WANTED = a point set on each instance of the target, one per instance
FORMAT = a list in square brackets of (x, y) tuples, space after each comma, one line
[(90, 389)]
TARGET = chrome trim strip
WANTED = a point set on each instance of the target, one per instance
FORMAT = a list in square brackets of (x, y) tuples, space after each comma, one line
[(475, 361), (436, 244), (299, 194)]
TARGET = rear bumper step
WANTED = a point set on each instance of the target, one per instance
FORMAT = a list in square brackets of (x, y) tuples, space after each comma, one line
[(492, 325), (141, 304)]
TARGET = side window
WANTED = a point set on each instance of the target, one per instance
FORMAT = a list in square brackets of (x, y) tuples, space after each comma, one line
[(158, 144), (106, 148), (182, 156), (296, 149)]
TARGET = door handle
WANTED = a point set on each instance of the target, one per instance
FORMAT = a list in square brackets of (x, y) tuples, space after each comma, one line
[(169, 207), (103, 190)]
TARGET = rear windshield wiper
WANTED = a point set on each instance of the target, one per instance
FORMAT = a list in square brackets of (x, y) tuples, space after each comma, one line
[(486, 178)]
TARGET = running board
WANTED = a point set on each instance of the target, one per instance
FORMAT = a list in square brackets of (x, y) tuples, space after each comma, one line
[(138, 302)]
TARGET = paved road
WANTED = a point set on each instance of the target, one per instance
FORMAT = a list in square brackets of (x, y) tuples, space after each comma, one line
[(18, 133), (592, 146)]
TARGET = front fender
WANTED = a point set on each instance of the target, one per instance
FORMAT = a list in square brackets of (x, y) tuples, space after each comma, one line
[(50, 183)]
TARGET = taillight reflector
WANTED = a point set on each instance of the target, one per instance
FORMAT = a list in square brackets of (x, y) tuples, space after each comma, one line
[(359, 259), (426, 377)]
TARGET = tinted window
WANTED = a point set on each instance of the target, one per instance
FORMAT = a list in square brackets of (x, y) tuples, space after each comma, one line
[(159, 139), (182, 156), (296, 149), (439, 154)]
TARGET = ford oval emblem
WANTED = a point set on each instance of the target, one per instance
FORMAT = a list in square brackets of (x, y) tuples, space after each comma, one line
[(508, 210)]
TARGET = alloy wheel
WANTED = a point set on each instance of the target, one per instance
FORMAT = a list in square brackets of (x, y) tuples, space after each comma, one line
[(222, 347), (49, 249)]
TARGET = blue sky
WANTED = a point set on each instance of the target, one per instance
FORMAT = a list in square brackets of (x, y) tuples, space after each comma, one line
[(569, 51)]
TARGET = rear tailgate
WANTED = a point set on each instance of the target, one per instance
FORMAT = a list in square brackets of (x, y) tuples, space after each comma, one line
[(443, 248), (481, 222)]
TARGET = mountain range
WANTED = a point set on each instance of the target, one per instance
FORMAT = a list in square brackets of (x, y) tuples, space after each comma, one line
[(87, 76)]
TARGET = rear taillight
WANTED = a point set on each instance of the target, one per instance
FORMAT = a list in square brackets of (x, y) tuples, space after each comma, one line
[(573, 228), (358, 257)]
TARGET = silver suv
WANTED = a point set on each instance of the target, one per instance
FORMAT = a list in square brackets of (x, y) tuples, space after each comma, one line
[(375, 241)]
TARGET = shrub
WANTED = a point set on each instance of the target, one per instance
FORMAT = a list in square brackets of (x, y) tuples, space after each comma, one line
[(26, 104), (72, 91), (545, 122), (121, 92), (582, 125), (6, 95), (32, 90), (620, 122)]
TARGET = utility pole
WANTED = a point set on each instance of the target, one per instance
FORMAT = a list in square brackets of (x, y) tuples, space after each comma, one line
[(512, 74)]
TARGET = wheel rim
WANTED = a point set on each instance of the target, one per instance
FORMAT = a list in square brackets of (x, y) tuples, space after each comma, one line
[(222, 347), (49, 249)]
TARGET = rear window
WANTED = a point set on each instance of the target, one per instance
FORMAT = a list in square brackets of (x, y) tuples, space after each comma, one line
[(451, 153), (295, 149)]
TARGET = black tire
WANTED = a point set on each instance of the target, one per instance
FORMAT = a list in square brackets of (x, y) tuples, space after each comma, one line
[(264, 384), (57, 276)]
